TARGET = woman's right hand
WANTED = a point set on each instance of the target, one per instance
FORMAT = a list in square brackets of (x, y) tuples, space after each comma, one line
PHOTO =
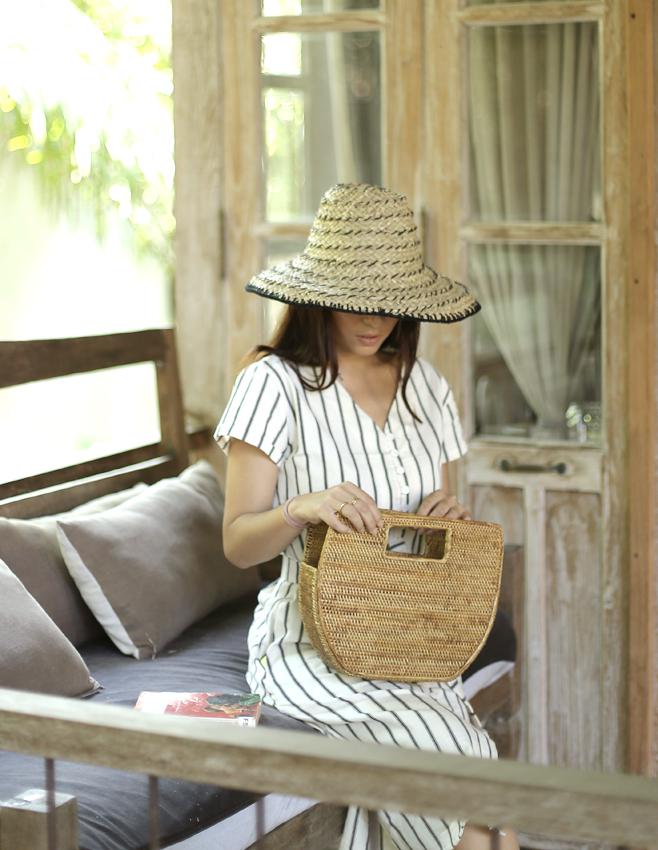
[(327, 506)]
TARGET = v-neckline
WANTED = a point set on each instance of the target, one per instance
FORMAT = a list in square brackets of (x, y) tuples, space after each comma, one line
[(342, 388)]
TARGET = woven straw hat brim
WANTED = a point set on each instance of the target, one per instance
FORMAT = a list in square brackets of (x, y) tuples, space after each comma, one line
[(429, 297)]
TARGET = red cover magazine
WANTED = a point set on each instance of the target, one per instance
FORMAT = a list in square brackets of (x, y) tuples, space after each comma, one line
[(238, 709)]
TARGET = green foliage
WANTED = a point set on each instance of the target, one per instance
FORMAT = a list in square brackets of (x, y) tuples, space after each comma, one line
[(117, 24), (80, 170)]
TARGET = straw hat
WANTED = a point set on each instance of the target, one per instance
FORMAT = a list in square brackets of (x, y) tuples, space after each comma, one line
[(363, 255)]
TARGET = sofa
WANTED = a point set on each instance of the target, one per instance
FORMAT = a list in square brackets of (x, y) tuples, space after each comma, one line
[(101, 598), (52, 643)]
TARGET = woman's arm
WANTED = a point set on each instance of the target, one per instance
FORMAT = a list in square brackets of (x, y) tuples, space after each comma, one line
[(255, 532)]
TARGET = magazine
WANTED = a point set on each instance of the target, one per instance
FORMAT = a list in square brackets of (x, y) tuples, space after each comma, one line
[(237, 709)]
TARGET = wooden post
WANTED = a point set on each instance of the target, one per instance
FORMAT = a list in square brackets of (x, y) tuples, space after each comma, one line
[(198, 123), (641, 364), (242, 185), (170, 403), (24, 821)]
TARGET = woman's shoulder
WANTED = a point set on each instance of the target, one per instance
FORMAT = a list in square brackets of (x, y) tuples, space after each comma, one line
[(430, 379), (267, 364), (272, 370), (259, 410)]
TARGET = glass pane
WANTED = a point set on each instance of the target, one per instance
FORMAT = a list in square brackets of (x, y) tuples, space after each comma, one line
[(282, 55), (277, 251), (69, 420), (534, 123), (313, 7), (322, 125), (537, 341), (284, 153)]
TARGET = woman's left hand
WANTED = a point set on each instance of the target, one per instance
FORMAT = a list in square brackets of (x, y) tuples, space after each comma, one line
[(439, 503)]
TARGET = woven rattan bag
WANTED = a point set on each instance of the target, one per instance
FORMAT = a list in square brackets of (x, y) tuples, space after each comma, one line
[(379, 614)]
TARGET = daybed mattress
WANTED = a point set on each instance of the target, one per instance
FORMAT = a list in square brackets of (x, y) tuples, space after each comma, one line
[(113, 806), (211, 655)]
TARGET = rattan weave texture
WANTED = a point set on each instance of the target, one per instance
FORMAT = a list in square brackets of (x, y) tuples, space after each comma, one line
[(410, 618)]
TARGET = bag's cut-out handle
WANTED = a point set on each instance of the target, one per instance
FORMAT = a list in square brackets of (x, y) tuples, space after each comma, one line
[(399, 519), (437, 543)]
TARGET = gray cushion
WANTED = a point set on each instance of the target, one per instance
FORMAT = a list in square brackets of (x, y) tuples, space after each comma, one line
[(35, 655), (31, 551), (154, 565)]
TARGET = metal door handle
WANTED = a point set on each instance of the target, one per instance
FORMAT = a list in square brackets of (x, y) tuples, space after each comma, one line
[(511, 466)]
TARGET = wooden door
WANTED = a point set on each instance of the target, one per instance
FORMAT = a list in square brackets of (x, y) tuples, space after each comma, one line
[(547, 492), (562, 491)]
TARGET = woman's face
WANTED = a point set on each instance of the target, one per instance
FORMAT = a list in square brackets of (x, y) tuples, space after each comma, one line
[(357, 333)]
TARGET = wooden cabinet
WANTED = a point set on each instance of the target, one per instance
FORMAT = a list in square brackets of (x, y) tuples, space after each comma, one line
[(557, 518)]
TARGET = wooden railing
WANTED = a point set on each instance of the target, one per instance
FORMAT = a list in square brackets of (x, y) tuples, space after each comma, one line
[(554, 802)]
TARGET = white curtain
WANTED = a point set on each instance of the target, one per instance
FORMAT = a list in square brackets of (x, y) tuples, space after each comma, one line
[(533, 97)]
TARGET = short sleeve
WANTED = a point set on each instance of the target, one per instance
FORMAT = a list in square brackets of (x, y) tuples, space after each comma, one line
[(453, 435), (443, 412), (258, 412)]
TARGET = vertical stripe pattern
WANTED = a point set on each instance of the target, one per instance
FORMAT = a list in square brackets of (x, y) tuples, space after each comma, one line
[(318, 440)]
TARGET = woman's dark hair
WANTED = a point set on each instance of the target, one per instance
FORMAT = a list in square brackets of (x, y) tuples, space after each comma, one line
[(303, 338)]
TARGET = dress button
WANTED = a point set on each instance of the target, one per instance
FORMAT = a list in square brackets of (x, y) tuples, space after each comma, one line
[(404, 489), (399, 470)]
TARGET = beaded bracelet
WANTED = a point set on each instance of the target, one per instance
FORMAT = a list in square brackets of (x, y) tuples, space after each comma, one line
[(293, 523)]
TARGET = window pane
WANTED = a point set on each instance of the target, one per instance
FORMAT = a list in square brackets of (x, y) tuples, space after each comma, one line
[(534, 123), (323, 126), (63, 421), (282, 55), (284, 153), (314, 7), (537, 341)]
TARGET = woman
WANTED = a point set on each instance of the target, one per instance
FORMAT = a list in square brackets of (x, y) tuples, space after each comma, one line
[(333, 421)]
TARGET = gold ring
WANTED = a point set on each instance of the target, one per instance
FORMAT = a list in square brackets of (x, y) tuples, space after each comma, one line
[(339, 510), (354, 500)]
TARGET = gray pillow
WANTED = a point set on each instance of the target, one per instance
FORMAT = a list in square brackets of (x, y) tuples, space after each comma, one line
[(30, 549), (155, 565), (34, 654)]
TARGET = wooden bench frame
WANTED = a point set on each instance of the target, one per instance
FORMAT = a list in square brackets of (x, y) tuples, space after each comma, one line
[(22, 362), (554, 802), (557, 802)]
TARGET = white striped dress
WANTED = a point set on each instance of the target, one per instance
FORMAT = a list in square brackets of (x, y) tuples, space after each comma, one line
[(319, 439)]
